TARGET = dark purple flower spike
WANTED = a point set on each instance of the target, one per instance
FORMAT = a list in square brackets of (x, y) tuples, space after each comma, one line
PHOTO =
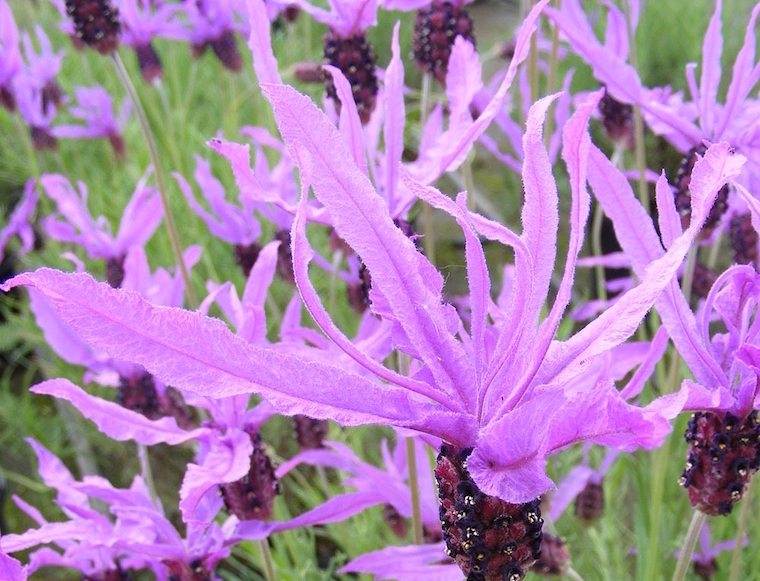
[(96, 23), (436, 27)]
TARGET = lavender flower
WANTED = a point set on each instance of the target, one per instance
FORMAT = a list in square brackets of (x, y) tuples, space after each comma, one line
[(236, 225), (96, 23), (37, 113), (437, 25), (74, 223), (704, 561), (143, 20), (212, 24), (19, 222), (140, 536), (95, 109), (42, 68), (492, 423), (347, 49)]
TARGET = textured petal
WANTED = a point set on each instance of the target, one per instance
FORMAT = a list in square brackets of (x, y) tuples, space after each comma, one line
[(228, 459), (260, 42), (198, 354), (302, 255), (336, 509), (409, 284), (393, 128), (409, 563), (509, 458), (350, 125), (11, 569), (115, 421), (708, 85)]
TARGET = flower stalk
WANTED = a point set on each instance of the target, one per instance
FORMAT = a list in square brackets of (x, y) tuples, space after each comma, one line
[(171, 226), (684, 559)]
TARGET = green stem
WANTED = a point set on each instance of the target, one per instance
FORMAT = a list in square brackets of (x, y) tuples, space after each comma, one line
[(688, 272), (688, 545), (414, 486), (736, 555), (266, 557), (573, 574), (660, 460), (153, 152), (147, 472)]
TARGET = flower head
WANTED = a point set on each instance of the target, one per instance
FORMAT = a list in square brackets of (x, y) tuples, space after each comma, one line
[(74, 224), (96, 23), (95, 109)]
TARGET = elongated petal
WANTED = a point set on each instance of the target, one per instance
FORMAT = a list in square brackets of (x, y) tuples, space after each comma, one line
[(350, 124), (409, 285), (49, 533), (478, 280), (198, 354), (260, 42), (115, 421), (744, 76), (508, 460), (708, 85), (393, 127), (409, 563), (336, 509), (302, 255)]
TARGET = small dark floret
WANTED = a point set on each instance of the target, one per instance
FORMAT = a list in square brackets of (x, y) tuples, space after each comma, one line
[(149, 63), (252, 497), (744, 239), (246, 255), (683, 195), (617, 119), (589, 504), (310, 433)]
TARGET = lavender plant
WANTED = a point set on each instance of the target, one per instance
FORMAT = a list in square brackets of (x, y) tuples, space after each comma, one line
[(295, 383)]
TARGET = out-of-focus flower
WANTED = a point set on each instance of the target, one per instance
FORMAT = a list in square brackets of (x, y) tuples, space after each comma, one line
[(705, 560), (96, 23), (73, 222), (347, 49), (19, 223), (212, 23), (37, 112), (436, 26), (139, 537), (10, 56), (42, 68), (144, 20), (95, 109), (236, 225)]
